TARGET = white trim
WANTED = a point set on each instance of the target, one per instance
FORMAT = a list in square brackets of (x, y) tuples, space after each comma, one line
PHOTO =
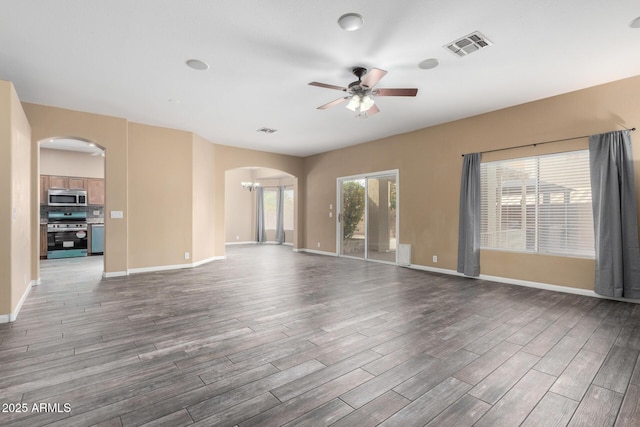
[(525, 283), (505, 280), (107, 275), (11, 317), (208, 260), (315, 252), (173, 267), (253, 242)]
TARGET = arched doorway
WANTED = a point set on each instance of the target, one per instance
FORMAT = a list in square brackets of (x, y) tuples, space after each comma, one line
[(71, 211), (248, 187)]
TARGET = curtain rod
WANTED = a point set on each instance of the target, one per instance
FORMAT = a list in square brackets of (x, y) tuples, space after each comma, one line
[(540, 143)]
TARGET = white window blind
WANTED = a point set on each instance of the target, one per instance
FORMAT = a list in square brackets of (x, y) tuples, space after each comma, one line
[(270, 208), (288, 209), (538, 204)]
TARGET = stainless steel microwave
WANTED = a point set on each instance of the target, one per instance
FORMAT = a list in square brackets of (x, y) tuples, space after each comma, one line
[(66, 197)]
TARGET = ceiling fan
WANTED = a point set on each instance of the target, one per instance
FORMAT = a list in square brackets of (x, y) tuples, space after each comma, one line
[(361, 92)]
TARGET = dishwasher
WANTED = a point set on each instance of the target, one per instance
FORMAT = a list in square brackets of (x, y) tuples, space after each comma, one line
[(97, 239)]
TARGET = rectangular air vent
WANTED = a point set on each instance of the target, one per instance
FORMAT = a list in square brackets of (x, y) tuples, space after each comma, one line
[(468, 44), (267, 130)]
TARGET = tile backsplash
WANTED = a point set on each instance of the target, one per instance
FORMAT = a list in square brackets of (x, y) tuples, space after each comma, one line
[(95, 213)]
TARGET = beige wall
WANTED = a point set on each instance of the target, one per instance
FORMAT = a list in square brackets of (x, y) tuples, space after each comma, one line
[(70, 163), (15, 201), (203, 180), (240, 208), (429, 161), (107, 132), (160, 196)]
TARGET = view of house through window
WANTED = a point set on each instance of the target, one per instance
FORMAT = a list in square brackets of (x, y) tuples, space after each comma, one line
[(538, 204)]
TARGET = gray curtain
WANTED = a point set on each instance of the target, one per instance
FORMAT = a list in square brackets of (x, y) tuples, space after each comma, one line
[(280, 216), (261, 232), (615, 217), (469, 226)]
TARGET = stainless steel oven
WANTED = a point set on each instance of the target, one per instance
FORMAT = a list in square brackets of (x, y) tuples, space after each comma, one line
[(67, 234)]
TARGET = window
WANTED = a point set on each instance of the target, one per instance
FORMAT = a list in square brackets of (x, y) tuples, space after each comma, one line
[(270, 208), (538, 204), (288, 209)]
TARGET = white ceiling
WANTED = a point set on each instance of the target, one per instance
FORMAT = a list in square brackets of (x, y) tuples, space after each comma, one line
[(127, 59)]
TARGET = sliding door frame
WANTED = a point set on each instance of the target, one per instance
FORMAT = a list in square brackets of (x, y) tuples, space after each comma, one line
[(366, 177)]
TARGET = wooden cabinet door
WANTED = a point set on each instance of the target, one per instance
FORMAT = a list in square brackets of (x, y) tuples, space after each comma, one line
[(95, 191), (58, 181), (44, 186), (43, 240), (77, 183)]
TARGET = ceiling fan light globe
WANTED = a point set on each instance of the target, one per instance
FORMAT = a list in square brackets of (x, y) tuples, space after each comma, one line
[(354, 103), (366, 103)]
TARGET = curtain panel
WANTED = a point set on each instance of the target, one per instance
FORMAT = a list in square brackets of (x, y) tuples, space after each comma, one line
[(280, 216), (261, 232), (615, 217), (469, 225)]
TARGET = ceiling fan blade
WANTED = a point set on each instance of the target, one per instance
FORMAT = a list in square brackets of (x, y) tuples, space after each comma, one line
[(396, 92), (332, 103), (328, 86), (373, 110), (372, 77)]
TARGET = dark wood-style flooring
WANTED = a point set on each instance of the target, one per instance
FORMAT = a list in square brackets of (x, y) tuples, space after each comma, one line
[(268, 337)]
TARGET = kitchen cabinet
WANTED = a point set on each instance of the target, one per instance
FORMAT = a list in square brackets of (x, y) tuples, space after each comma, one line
[(43, 240), (93, 186), (77, 183), (44, 186), (58, 181), (95, 191)]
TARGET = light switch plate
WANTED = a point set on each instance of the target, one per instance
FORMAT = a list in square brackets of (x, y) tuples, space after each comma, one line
[(117, 214)]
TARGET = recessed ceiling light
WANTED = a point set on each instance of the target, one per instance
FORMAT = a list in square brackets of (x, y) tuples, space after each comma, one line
[(351, 21), (196, 64), (428, 64), (635, 23)]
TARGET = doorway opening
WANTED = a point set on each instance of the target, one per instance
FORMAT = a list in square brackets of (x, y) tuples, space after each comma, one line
[(71, 207), (259, 206), (367, 226)]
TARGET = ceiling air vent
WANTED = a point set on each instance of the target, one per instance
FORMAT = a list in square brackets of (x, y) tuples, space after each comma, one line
[(267, 130), (468, 44)]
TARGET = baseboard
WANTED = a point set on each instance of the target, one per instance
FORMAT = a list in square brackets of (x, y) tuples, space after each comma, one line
[(315, 252), (505, 280), (6, 318), (208, 260), (525, 283), (241, 243), (173, 267), (110, 274)]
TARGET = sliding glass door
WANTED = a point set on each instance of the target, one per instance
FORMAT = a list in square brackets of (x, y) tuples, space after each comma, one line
[(367, 219)]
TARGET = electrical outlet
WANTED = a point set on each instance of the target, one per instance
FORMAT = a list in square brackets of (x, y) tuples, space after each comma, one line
[(318, 244), (237, 237), (186, 255), (435, 258), (330, 214)]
